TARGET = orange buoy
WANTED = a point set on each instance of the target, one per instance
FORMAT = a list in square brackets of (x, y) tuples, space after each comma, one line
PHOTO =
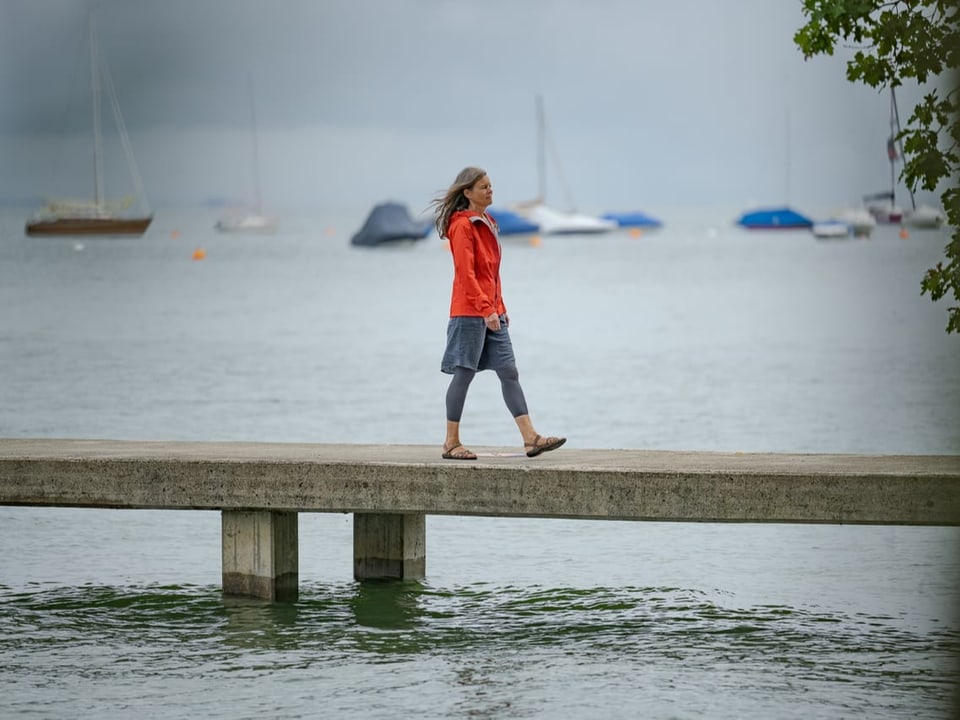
[(904, 233), (199, 254), (535, 240), (635, 232)]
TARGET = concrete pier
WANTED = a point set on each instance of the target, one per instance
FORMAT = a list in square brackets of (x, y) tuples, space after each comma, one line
[(261, 487), (389, 546), (259, 553)]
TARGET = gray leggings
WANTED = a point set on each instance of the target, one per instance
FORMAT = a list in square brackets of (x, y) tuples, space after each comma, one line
[(509, 385)]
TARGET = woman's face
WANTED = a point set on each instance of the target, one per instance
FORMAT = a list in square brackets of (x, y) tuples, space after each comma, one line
[(480, 194)]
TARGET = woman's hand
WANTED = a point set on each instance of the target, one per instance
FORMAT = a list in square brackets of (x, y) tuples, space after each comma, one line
[(493, 321)]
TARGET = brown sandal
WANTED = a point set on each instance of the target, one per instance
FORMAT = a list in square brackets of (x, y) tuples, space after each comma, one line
[(458, 452), (542, 445)]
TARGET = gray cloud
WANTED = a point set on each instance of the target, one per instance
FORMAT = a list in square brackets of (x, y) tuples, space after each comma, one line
[(649, 102)]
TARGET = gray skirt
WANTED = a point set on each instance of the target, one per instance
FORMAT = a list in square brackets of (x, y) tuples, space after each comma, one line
[(470, 344)]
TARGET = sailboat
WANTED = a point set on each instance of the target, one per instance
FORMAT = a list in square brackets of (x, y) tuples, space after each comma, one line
[(251, 220), (777, 217), (883, 206), (549, 220), (97, 216)]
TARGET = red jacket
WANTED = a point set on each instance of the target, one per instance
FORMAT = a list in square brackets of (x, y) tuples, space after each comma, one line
[(476, 265)]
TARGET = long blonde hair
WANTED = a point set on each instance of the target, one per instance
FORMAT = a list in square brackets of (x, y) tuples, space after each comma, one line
[(453, 199)]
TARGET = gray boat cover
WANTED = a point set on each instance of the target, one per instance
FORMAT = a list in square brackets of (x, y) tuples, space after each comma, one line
[(390, 222)]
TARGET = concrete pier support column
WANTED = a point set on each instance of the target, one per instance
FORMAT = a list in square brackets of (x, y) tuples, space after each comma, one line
[(259, 553), (389, 546)]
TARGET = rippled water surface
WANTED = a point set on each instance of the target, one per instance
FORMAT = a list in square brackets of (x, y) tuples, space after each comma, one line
[(697, 336), (489, 650)]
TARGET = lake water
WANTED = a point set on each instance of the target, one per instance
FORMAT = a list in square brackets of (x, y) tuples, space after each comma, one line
[(696, 336)]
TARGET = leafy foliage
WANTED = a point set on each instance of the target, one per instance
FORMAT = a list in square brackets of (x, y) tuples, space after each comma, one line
[(896, 41)]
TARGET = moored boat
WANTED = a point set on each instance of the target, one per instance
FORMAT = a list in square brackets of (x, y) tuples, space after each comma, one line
[(249, 223), (632, 219), (389, 223), (861, 222), (826, 229), (555, 222), (252, 220), (97, 216), (78, 225), (776, 218), (511, 223), (549, 220), (924, 217)]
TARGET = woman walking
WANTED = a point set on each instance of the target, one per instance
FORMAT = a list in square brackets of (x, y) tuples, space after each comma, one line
[(477, 332)]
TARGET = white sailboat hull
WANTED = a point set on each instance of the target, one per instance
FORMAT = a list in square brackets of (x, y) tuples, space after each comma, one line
[(254, 224), (860, 222), (554, 222), (886, 213), (924, 217), (831, 229)]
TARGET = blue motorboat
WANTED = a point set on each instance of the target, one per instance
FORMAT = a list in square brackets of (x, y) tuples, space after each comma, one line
[(511, 223), (780, 218), (634, 219)]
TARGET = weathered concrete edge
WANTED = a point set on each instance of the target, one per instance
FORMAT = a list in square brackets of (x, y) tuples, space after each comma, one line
[(421, 455), (491, 490)]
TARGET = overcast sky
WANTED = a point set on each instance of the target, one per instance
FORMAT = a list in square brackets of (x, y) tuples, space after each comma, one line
[(650, 104)]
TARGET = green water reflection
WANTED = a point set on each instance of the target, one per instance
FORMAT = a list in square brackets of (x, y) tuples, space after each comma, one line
[(106, 632)]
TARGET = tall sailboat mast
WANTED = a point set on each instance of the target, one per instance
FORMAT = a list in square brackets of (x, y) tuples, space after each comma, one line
[(541, 152), (892, 150), (897, 148), (256, 144), (97, 136), (786, 152), (544, 137)]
